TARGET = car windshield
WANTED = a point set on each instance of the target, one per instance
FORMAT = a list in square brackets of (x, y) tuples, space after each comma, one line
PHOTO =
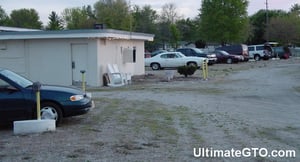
[(180, 55), (224, 52), (199, 51), (23, 82)]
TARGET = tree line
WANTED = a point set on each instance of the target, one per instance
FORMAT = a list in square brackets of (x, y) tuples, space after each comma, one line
[(218, 22)]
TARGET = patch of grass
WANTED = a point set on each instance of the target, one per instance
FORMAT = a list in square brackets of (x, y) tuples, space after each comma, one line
[(181, 111), (290, 128), (73, 156), (147, 119), (98, 143), (201, 90), (158, 120), (136, 116), (297, 89), (108, 107), (26, 158), (122, 88), (186, 117), (196, 89), (227, 70), (269, 133)]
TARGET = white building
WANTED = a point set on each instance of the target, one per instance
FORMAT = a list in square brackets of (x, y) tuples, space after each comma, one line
[(57, 57)]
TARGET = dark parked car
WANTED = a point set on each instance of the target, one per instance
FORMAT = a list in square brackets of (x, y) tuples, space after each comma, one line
[(18, 99), (282, 52), (195, 52), (154, 53), (237, 49), (225, 57)]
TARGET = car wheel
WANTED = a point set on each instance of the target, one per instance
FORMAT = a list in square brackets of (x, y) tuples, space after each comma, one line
[(51, 111), (155, 66), (229, 61), (256, 58), (192, 64)]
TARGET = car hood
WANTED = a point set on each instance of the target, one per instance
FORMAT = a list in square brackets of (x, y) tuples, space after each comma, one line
[(61, 89)]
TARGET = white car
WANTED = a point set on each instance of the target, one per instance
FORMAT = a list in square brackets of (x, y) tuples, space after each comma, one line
[(173, 60)]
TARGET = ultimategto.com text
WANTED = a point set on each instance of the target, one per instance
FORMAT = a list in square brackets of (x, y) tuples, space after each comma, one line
[(245, 152)]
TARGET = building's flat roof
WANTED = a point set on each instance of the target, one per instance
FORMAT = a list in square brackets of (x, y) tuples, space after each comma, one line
[(87, 33)]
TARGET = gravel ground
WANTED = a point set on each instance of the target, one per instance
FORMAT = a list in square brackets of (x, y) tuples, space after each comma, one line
[(245, 105)]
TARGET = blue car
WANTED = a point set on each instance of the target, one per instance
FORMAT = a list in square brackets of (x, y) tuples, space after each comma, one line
[(18, 100)]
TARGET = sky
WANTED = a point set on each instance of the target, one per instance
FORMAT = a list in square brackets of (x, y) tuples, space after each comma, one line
[(186, 8)]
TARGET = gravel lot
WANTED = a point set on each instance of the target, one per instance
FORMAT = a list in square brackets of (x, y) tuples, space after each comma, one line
[(245, 105)]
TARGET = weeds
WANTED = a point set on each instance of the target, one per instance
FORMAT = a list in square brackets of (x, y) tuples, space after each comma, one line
[(297, 89)]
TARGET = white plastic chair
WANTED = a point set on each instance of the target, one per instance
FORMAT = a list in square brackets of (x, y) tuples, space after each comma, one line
[(125, 76), (116, 79)]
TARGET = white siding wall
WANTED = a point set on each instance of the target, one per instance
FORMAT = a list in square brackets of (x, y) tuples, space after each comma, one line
[(49, 60), (110, 52), (13, 56)]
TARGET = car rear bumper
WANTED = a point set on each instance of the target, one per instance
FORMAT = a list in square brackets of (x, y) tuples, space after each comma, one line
[(212, 60), (266, 57)]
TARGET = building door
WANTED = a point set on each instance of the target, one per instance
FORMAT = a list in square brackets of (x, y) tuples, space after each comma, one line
[(79, 62)]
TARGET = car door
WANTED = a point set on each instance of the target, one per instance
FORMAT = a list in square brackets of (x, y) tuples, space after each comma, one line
[(220, 56), (193, 53), (188, 52), (12, 103), (163, 61), (178, 60), (169, 60), (173, 60)]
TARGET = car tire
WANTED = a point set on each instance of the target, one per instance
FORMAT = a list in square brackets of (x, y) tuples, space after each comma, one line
[(229, 61), (192, 64), (52, 111), (256, 58), (155, 66)]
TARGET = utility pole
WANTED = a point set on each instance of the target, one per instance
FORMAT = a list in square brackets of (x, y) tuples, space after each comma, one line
[(267, 21), (130, 18)]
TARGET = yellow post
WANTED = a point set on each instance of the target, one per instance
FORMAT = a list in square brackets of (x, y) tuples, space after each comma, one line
[(203, 73), (83, 80), (38, 105), (204, 70), (36, 86)]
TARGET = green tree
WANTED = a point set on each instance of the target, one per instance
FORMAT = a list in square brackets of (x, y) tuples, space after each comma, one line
[(168, 17), (4, 19), (79, 18), (169, 13), (258, 25), (175, 36), (25, 18), (114, 14), (223, 21), (187, 29), (145, 21), (55, 23), (295, 9), (285, 29)]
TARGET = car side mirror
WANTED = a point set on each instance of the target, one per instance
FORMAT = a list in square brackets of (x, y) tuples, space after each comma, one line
[(36, 86)]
